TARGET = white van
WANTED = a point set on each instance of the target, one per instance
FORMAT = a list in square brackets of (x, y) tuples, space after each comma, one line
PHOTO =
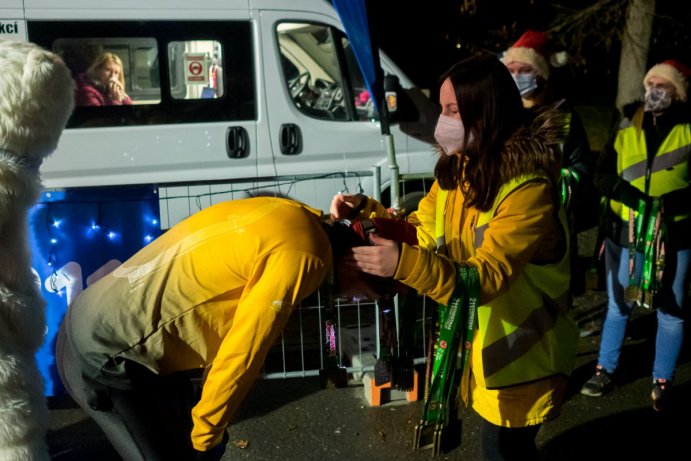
[(230, 98)]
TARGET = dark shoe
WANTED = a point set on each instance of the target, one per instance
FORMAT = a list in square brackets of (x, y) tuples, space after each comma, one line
[(599, 384), (660, 393)]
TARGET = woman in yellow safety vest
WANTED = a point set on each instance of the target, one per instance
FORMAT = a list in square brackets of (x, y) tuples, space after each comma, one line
[(645, 174), (495, 208)]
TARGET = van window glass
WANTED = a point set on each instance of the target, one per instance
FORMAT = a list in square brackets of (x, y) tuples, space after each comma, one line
[(99, 62), (312, 69), (196, 69), (364, 106), (172, 71)]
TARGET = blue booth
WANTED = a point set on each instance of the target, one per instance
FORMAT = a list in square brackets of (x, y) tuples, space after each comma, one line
[(77, 236)]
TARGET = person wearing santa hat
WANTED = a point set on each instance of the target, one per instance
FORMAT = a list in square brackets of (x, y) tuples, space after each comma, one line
[(645, 175), (530, 60)]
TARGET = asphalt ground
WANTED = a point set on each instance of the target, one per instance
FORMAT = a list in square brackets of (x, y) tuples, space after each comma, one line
[(296, 419)]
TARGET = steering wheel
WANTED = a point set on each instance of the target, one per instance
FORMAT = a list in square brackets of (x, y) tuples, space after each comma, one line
[(337, 100), (331, 99), (298, 84)]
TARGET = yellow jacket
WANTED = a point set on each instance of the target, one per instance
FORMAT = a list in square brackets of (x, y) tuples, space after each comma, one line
[(215, 290), (524, 230)]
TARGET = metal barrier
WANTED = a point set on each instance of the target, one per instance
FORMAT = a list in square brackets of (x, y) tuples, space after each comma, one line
[(300, 350), (178, 201)]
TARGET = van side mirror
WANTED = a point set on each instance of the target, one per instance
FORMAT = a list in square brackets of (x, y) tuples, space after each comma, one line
[(399, 103), (391, 89)]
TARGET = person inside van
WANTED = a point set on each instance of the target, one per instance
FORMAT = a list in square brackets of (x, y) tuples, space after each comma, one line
[(103, 83), (216, 78), (213, 293)]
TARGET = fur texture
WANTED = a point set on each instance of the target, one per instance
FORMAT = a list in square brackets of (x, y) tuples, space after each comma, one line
[(535, 148), (36, 99)]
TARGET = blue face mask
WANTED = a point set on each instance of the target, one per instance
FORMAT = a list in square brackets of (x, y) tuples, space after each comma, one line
[(526, 82)]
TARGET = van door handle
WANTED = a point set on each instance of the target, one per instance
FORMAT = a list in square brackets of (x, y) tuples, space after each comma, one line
[(237, 142), (290, 139)]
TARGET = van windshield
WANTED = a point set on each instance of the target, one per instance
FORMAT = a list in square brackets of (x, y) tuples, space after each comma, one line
[(321, 73)]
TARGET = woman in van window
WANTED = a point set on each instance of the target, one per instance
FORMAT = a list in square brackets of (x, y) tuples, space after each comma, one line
[(103, 83)]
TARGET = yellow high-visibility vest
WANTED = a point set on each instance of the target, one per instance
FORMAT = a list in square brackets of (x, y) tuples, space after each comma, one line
[(524, 334), (669, 170)]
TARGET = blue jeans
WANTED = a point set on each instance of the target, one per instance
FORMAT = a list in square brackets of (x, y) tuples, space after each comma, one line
[(670, 303)]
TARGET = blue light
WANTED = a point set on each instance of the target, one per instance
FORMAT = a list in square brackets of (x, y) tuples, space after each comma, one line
[(53, 240), (111, 235), (154, 222), (56, 223), (95, 227), (148, 238)]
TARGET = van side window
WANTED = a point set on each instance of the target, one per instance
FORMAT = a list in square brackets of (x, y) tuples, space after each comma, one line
[(95, 61), (321, 74), (196, 69), (155, 72), (364, 106)]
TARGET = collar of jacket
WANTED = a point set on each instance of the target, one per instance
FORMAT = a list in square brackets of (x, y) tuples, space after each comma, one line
[(535, 147)]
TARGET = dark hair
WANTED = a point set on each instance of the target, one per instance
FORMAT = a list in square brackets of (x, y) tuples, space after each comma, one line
[(491, 109), (343, 238)]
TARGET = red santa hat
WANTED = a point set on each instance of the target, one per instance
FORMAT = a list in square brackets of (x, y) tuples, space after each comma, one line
[(674, 71), (534, 48)]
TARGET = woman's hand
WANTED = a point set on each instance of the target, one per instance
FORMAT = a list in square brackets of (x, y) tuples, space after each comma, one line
[(115, 90), (344, 206), (380, 259)]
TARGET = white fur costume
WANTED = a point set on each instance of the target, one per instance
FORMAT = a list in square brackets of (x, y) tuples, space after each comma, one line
[(36, 98)]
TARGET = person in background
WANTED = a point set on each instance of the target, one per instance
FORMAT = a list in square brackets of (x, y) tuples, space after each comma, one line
[(216, 77), (213, 293), (645, 174), (530, 62), (494, 208), (103, 83)]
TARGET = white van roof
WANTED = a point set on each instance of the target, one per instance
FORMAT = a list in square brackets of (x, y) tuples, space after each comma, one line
[(89, 9)]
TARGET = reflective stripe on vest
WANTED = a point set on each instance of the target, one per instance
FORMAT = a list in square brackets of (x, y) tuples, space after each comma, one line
[(669, 170), (513, 345), (440, 204)]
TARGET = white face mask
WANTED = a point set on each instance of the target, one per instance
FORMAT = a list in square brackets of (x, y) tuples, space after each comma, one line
[(657, 99), (526, 82), (450, 134)]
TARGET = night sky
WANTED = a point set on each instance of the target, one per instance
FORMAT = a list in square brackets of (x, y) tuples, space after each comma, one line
[(426, 38)]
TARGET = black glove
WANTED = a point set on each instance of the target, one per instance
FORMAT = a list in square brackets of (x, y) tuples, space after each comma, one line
[(629, 195), (214, 453)]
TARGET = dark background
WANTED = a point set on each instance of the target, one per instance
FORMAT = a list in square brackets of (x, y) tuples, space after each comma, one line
[(426, 37)]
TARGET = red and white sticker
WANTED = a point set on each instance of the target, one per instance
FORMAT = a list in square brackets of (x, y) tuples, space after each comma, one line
[(196, 70)]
